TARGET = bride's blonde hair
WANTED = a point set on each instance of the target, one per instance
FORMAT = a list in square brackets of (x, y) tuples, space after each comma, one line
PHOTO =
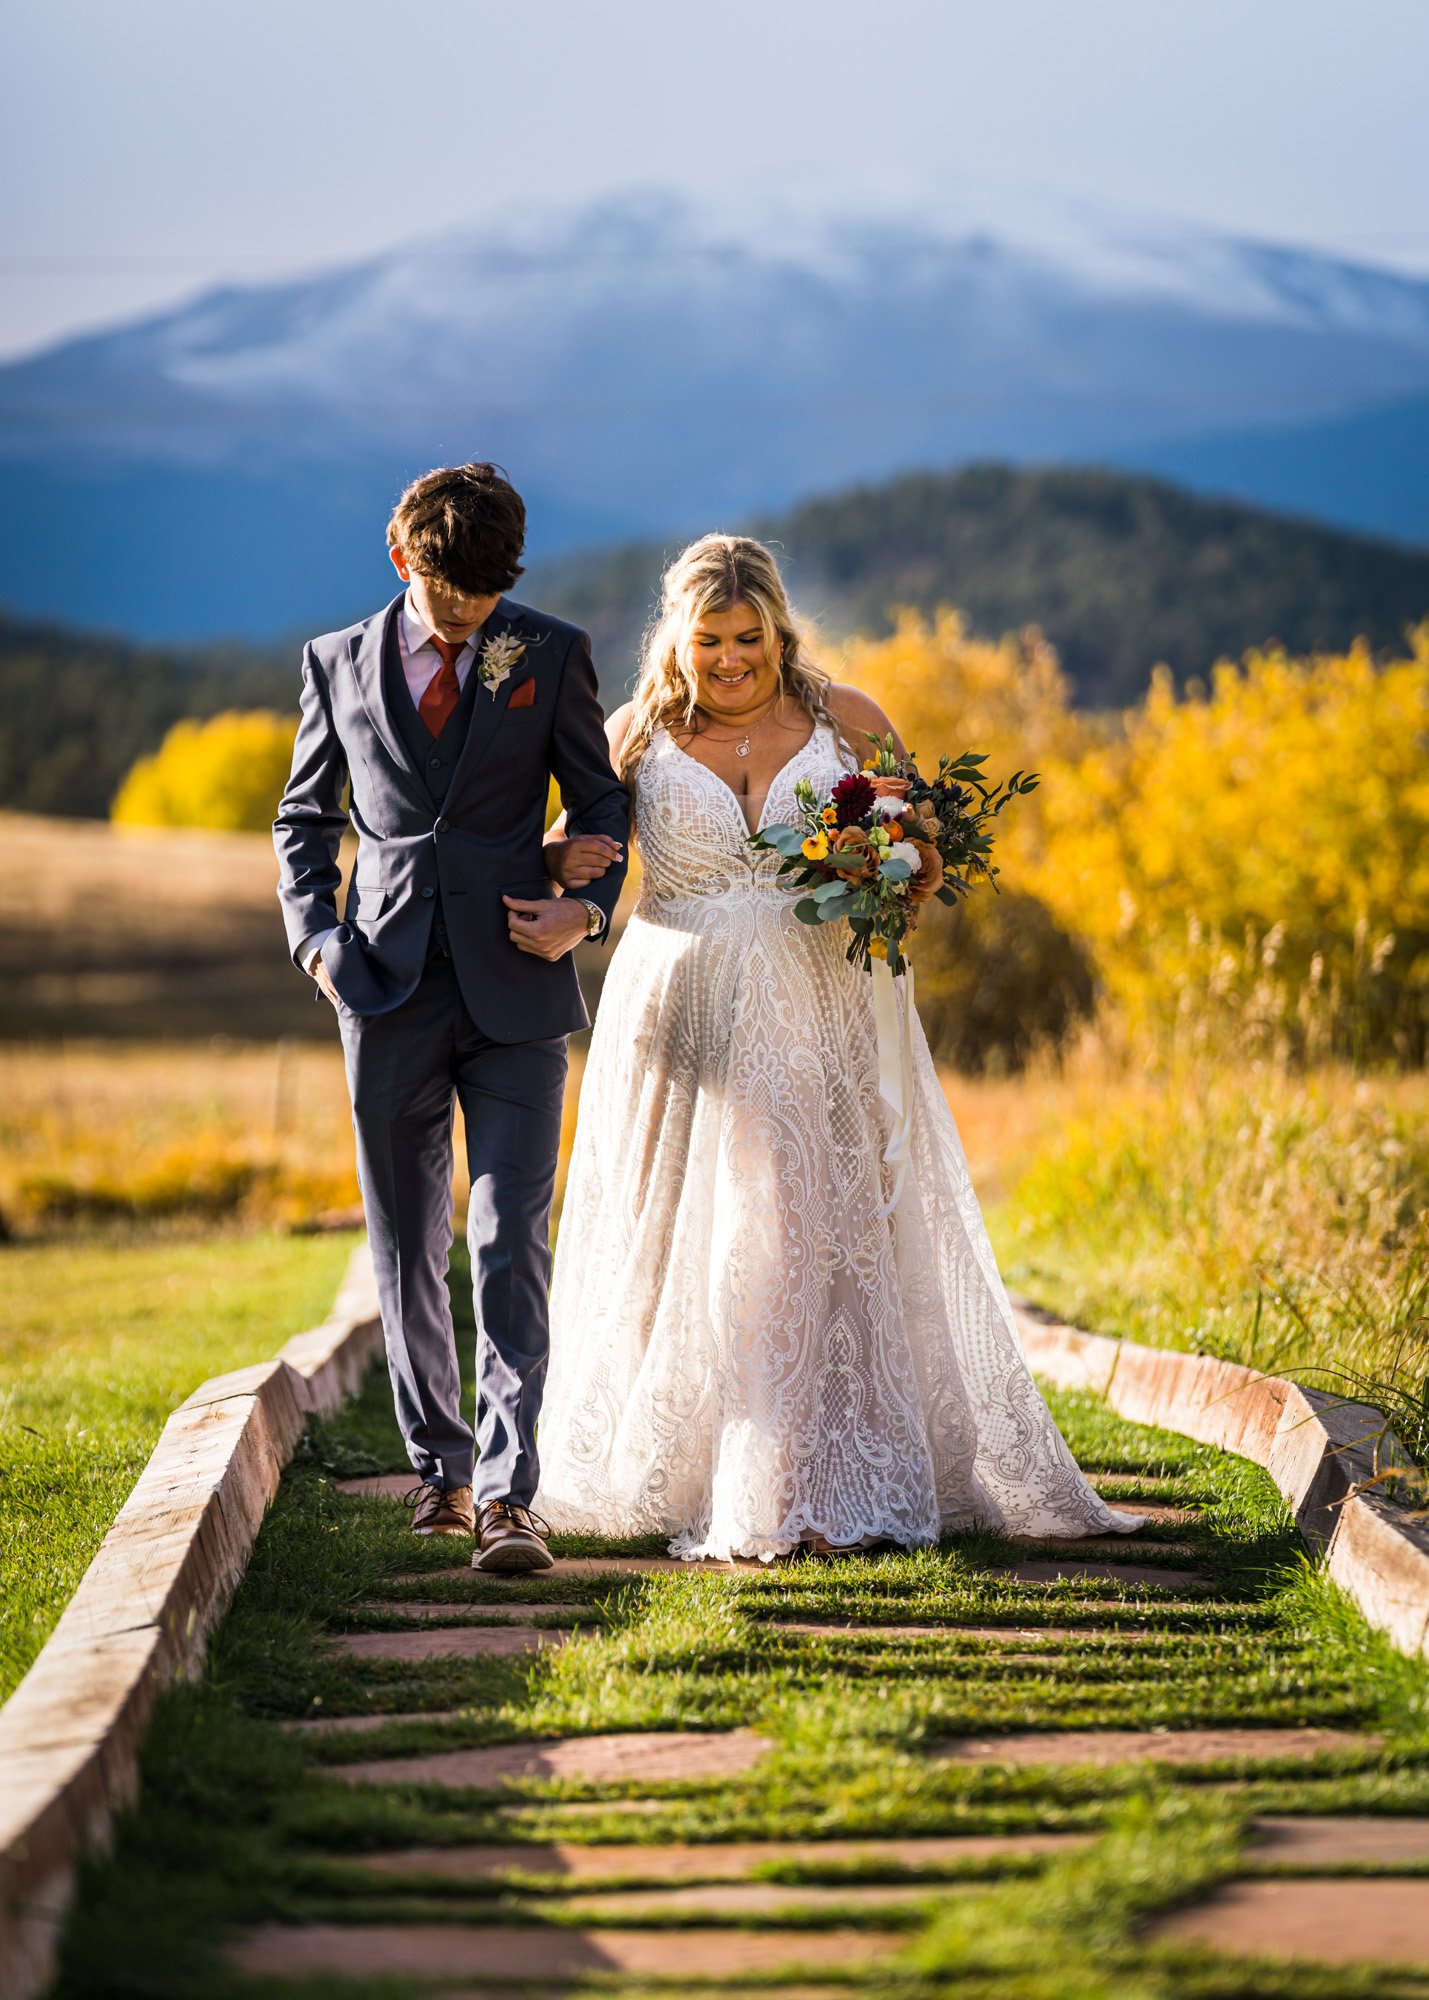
[(714, 574)]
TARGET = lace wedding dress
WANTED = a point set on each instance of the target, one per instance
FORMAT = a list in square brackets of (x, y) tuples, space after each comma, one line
[(743, 1353)]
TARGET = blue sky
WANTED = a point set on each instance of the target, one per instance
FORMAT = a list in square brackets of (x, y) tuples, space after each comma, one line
[(151, 147)]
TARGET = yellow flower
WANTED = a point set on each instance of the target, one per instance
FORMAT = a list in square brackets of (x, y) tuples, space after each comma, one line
[(829, 816), (816, 847), (878, 947)]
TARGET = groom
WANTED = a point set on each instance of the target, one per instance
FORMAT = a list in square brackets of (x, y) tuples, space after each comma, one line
[(448, 713)]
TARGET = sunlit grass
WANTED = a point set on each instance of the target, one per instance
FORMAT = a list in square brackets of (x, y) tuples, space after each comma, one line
[(239, 1824), (100, 1342)]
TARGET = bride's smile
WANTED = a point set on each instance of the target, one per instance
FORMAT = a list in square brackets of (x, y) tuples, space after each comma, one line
[(727, 656)]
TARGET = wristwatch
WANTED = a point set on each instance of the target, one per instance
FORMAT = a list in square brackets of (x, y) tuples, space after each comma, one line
[(594, 917)]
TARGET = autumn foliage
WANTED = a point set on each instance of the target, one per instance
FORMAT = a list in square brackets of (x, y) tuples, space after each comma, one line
[(1258, 848), (227, 773)]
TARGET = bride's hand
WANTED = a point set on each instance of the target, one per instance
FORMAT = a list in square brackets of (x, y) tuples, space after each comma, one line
[(582, 859)]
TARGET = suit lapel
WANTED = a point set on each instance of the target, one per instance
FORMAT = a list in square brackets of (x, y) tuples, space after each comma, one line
[(368, 649), (490, 703)]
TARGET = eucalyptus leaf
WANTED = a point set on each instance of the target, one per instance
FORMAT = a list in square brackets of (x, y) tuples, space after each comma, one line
[(894, 870)]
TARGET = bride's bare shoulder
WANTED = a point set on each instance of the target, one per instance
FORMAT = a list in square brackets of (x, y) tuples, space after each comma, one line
[(858, 715)]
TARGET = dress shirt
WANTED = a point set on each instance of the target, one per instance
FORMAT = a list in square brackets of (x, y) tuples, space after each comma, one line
[(421, 663)]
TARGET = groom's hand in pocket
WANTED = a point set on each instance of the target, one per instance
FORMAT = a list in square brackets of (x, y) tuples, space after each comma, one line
[(547, 928)]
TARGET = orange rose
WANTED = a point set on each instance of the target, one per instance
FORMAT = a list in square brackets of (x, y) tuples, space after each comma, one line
[(929, 879), (856, 851), (889, 788)]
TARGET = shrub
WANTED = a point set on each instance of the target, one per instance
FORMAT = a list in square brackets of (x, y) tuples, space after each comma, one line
[(226, 773)]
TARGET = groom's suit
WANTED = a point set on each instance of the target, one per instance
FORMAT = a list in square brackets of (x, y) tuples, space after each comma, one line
[(437, 1003)]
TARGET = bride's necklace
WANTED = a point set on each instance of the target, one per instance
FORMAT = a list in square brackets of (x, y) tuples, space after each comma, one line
[(742, 745)]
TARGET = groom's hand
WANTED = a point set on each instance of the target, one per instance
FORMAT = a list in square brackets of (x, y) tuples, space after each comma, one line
[(547, 928)]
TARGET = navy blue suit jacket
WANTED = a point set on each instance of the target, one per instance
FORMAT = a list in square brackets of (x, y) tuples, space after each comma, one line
[(484, 839)]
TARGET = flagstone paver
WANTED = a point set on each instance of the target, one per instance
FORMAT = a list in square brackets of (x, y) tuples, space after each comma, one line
[(655, 1757), (1159, 1746), (1074, 1567), (460, 1612), (756, 1899), (491, 1953), (449, 1642), (1335, 1922), (1341, 1841), (361, 1725), (724, 1861)]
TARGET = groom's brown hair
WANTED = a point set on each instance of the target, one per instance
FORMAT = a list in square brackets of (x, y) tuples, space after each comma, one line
[(463, 524)]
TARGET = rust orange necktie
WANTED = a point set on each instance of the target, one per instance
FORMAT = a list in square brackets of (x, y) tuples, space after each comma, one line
[(443, 690)]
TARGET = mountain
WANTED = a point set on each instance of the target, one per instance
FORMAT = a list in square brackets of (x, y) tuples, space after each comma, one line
[(646, 368), (1120, 572)]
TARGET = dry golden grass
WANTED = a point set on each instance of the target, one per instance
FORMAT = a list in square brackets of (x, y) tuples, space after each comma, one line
[(93, 1132), (137, 1134), (142, 934)]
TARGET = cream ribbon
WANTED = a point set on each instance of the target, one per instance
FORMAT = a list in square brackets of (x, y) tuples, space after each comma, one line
[(895, 1069)]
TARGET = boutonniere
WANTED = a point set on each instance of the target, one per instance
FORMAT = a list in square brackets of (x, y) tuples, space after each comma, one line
[(498, 657)]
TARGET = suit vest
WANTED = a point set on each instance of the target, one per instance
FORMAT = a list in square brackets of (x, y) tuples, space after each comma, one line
[(433, 758)]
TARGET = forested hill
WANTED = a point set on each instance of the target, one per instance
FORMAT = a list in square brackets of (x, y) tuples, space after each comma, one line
[(1120, 572), (76, 709)]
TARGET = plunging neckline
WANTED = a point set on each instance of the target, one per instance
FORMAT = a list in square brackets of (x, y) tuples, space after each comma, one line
[(728, 789)]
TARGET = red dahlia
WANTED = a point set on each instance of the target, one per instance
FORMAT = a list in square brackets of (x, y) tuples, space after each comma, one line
[(853, 798)]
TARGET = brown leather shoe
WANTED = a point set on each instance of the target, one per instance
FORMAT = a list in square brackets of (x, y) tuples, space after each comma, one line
[(437, 1513), (510, 1539)]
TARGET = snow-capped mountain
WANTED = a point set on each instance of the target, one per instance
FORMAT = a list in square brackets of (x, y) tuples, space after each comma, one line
[(645, 367)]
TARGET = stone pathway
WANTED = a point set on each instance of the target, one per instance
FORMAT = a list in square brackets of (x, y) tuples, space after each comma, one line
[(630, 1773)]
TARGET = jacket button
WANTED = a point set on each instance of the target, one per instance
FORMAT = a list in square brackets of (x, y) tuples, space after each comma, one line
[(435, 762), (440, 827), (428, 894)]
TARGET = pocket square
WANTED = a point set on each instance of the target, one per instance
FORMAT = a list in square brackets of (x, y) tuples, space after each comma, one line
[(523, 695)]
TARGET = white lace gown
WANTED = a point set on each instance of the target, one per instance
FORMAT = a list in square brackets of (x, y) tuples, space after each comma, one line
[(743, 1354)]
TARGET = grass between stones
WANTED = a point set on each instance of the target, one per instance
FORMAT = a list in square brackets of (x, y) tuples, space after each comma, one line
[(243, 1823)]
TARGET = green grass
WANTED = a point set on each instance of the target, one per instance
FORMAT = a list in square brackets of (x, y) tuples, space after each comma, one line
[(101, 1341), (238, 1824)]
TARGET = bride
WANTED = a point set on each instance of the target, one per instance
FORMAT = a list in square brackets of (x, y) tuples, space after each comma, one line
[(747, 1352)]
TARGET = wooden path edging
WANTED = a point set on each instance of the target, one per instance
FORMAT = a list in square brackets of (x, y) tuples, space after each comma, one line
[(1322, 1452), (163, 1577)]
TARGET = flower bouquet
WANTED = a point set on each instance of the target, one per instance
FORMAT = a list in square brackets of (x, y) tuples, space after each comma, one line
[(886, 840)]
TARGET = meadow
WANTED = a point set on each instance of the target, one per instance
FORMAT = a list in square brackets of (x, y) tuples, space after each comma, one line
[(1184, 1049)]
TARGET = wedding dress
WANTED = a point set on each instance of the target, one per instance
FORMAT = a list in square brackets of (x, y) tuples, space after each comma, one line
[(745, 1353)]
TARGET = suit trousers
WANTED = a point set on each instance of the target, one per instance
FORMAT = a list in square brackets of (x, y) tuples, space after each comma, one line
[(406, 1070)]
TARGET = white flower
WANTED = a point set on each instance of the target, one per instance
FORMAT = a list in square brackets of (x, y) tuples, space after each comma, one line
[(887, 809), (498, 657), (904, 850)]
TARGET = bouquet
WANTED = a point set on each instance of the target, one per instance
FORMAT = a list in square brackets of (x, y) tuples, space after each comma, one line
[(886, 840)]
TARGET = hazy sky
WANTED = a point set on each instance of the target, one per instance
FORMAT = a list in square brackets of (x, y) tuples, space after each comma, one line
[(150, 147)]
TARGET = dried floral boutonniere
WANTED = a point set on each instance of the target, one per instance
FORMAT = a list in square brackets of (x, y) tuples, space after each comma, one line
[(498, 657)]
